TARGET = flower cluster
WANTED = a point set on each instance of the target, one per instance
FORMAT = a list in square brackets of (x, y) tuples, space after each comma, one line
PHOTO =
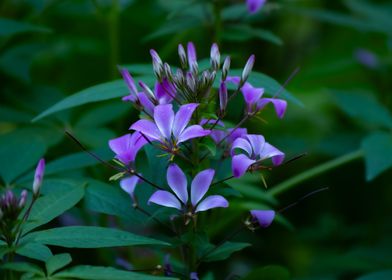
[(179, 114)]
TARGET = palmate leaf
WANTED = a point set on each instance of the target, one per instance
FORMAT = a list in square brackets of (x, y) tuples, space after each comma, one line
[(103, 273), (48, 207), (90, 237), (377, 148), (57, 262)]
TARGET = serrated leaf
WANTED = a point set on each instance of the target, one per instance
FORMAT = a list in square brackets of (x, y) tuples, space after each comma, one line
[(225, 251), (90, 237), (48, 207), (378, 154), (103, 273), (35, 251), (56, 262)]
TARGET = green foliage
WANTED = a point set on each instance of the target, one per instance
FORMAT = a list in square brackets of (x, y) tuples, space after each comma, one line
[(57, 262), (224, 251), (378, 151), (270, 272)]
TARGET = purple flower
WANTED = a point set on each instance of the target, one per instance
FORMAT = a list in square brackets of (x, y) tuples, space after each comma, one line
[(229, 135), (255, 5), (129, 185), (256, 149), (199, 187), (165, 91), (38, 176), (254, 100), (367, 58), (127, 146), (168, 128), (193, 276), (263, 217)]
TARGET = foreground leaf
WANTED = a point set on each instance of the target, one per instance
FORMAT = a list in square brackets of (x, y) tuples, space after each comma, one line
[(104, 273), (56, 262), (378, 154), (23, 267), (90, 237), (35, 251)]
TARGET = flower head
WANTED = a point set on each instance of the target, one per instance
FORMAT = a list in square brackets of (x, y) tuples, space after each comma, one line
[(256, 149), (180, 199), (168, 128), (127, 146), (254, 98)]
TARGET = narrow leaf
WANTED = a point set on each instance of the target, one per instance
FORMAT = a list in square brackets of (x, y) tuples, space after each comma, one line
[(35, 251), (56, 262), (225, 251)]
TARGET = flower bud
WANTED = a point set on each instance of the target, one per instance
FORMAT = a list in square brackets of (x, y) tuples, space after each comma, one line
[(190, 81), (157, 64), (128, 80), (22, 199), (222, 97), (225, 68), (168, 72), (215, 57), (247, 69), (38, 177), (182, 55), (192, 59), (147, 91)]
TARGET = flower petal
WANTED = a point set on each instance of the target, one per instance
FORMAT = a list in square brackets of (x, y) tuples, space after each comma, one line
[(212, 201), (200, 185), (129, 185), (257, 142), (121, 147), (237, 133), (164, 198), (255, 5), (270, 151), (264, 217), (164, 117), (240, 164), (183, 117), (177, 182), (251, 94), (243, 144), (147, 104), (279, 104), (148, 128), (129, 81), (192, 131)]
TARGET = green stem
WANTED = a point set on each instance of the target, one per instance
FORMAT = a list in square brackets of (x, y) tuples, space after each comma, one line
[(290, 183)]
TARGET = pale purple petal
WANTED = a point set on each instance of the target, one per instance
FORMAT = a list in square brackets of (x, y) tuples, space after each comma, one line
[(248, 67), (148, 128), (39, 176), (200, 185), (257, 142), (233, 79), (237, 133), (121, 147), (270, 151), (183, 117), (243, 144), (193, 131), (129, 81), (164, 91), (263, 217), (255, 5), (212, 201), (146, 102), (177, 182), (251, 94), (240, 165), (222, 96), (217, 135), (164, 117), (280, 105), (137, 142), (211, 121), (192, 59), (129, 185), (165, 198)]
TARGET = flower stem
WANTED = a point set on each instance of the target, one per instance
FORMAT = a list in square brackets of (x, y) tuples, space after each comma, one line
[(320, 169)]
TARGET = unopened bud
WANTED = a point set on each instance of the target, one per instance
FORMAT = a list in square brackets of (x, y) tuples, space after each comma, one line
[(192, 59), (22, 199), (222, 97), (226, 68), (168, 72), (157, 64), (215, 57), (247, 69), (182, 55), (38, 177), (190, 81), (128, 80), (147, 91)]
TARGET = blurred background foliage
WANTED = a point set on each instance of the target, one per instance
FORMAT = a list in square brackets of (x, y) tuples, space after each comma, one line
[(341, 112)]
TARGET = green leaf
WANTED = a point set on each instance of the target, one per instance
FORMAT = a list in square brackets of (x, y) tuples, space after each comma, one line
[(225, 251), (95, 93), (35, 251), (270, 272), (111, 200), (90, 237), (378, 275), (21, 151), (23, 267), (104, 273), (56, 262), (48, 207), (378, 154), (245, 32), (363, 106), (9, 27), (103, 114)]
